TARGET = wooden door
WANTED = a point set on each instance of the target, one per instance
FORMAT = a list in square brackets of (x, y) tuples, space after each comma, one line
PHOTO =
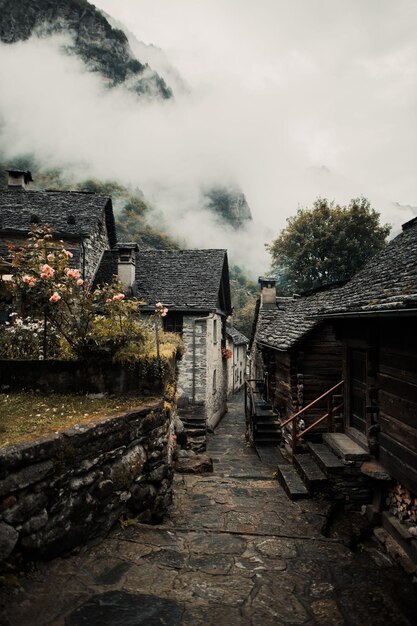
[(357, 390)]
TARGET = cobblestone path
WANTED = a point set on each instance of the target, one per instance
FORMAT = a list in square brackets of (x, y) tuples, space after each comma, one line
[(234, 551)]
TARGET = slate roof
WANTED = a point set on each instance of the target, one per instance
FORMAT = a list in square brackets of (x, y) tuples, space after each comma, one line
[(17, 208), (282, 326), (388, 282), (236, 336), (184, 280)]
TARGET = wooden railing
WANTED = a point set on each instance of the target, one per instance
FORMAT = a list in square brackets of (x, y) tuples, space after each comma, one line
[(253, 387), (331, 410)]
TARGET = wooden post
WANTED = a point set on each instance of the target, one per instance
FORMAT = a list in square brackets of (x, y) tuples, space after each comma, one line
[(330, 412), (294, 436)]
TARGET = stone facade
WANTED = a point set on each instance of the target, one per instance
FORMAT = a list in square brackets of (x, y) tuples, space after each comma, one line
[(202, 377), (236, 367), (94, 247), (65, 489)]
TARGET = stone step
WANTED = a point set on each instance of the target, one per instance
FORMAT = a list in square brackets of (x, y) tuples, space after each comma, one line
[(266, 441), (290, 481), (265, 413), (345, 448), (266, 422), (313, 477), (324, 457)]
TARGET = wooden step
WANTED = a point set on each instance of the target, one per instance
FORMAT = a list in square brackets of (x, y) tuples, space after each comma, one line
[(291, 482), (345, 448), (325, 458), (310, 472)]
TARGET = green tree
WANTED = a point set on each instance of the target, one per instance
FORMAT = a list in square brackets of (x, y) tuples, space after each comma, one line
[(326, 244)]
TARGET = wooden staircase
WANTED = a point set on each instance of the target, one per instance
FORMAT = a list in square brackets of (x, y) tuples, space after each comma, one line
[(263, 427)]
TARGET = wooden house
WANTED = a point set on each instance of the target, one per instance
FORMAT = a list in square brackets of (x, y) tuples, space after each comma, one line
[(362, 334), (375, 317), (297, 354)]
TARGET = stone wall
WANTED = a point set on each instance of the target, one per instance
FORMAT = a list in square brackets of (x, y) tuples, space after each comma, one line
[(53, 376), (94, 247), (65, 489), (202, 393), (216, 389)]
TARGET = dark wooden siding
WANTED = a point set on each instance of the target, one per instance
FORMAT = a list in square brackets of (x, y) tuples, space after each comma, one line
[(397, 395), (316, 367), (277, 365)]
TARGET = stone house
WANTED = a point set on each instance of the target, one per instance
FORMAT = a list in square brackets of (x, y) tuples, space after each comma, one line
[(84, 220), (194, 286), (237, 344)]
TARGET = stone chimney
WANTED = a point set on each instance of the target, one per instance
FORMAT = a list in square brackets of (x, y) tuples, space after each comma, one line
[(268, 292), (126, 265), (18, 179)]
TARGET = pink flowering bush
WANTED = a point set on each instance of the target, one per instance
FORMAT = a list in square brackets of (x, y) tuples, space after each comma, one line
[(92, 322)]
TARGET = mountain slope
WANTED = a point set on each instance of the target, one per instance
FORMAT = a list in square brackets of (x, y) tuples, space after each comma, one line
[(230, 204), (103, 49)]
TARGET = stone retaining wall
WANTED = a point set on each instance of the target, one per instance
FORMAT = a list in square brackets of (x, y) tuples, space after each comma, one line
[(55, 376), (70, 487)]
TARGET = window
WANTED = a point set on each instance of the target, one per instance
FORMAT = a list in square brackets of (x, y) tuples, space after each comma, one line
[(214, 331), (173, 323), (214, 381)]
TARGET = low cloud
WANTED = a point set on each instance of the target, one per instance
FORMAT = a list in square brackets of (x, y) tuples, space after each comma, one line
[(287, 114)]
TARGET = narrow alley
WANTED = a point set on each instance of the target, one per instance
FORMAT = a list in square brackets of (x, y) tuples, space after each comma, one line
[(234, 551)]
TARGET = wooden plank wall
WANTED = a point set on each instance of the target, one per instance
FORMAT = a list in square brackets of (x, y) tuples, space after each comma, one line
[(318, 359), (277, 364), (397, 396)]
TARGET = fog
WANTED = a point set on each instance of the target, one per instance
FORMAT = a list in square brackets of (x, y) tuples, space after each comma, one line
[(290, 100)]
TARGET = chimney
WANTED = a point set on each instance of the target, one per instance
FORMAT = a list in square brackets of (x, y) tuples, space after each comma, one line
[(126, 266), (18, 179), (268, 292)]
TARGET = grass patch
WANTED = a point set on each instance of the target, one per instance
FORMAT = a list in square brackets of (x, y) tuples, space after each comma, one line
[(27, 416)]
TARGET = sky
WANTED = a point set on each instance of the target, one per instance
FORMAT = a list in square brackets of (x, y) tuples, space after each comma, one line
[(289, 99)]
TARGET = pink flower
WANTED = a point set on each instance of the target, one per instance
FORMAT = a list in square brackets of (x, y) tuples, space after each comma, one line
[(118, 297), (55, 297), (47, 271), (160, 309), (80, 282), (29, 280), (68, 254), (108, 300), (50, 257), (75, 274)]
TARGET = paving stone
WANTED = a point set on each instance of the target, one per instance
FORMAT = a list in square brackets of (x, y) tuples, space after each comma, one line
[(234, 550), (327, 613), (118, 608)]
